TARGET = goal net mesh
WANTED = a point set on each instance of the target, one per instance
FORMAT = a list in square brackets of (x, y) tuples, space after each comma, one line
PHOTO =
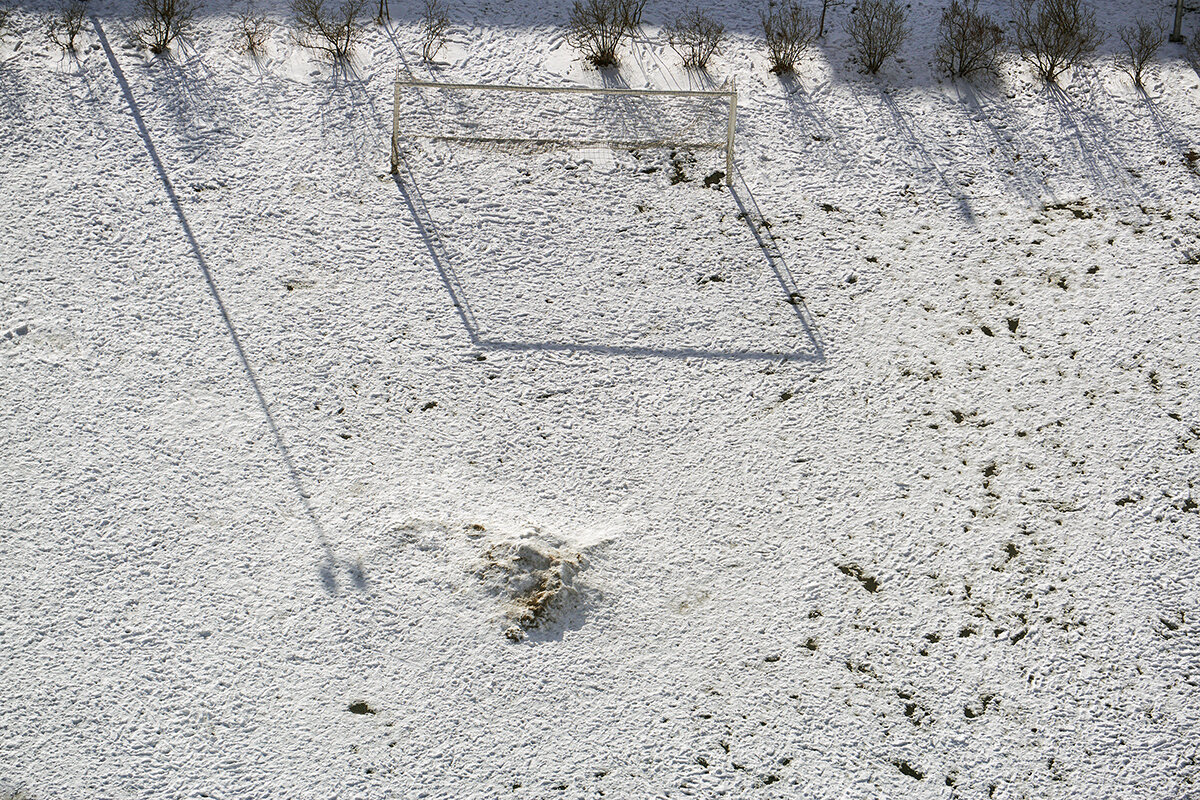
[(569, 117)]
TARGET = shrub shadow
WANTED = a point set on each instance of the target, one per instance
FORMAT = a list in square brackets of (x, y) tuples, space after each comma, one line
[(1099, 155)]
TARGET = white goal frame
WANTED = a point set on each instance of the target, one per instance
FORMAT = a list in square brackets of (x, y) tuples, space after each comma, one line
[(730, 94)]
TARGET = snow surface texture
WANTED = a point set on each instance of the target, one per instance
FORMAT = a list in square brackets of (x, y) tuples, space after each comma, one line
[(872, 477)]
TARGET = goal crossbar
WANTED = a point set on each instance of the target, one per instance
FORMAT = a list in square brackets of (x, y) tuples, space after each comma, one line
[(730, 94)]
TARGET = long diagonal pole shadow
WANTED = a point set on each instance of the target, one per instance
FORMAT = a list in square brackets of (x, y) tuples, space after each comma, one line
[(327, 568)]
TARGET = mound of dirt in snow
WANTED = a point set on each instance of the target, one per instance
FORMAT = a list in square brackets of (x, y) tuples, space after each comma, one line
[(535, 579)]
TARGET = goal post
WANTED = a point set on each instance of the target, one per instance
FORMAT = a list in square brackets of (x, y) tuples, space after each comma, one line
[(654, 129)]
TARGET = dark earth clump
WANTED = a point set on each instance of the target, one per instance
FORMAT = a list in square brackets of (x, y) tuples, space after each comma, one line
[(869, 583)]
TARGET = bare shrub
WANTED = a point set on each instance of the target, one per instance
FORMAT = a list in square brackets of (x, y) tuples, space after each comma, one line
[(434, 25), (789, 30), (1055, 35), (968, 41), (696, 37), (63, 27), (161, 22), (253, 31), (633, 10), (6, 19), (877, 29), (597, 27), (331, 31), (1141, 43)]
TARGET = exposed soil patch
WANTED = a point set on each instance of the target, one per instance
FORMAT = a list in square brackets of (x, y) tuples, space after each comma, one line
[(1080, 210), (536, 581), (854, 571)]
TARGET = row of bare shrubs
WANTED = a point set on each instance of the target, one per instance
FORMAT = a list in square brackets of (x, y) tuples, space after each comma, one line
[(877, 27), (61, 27), (598, 27), (1055, 35), (337, 30), (333, 30), (1052, 35)]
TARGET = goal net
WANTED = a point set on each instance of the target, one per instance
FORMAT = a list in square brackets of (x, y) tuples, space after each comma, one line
[(564, 116)]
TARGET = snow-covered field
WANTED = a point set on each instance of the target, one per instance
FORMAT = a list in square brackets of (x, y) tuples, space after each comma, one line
[(901, 503)]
